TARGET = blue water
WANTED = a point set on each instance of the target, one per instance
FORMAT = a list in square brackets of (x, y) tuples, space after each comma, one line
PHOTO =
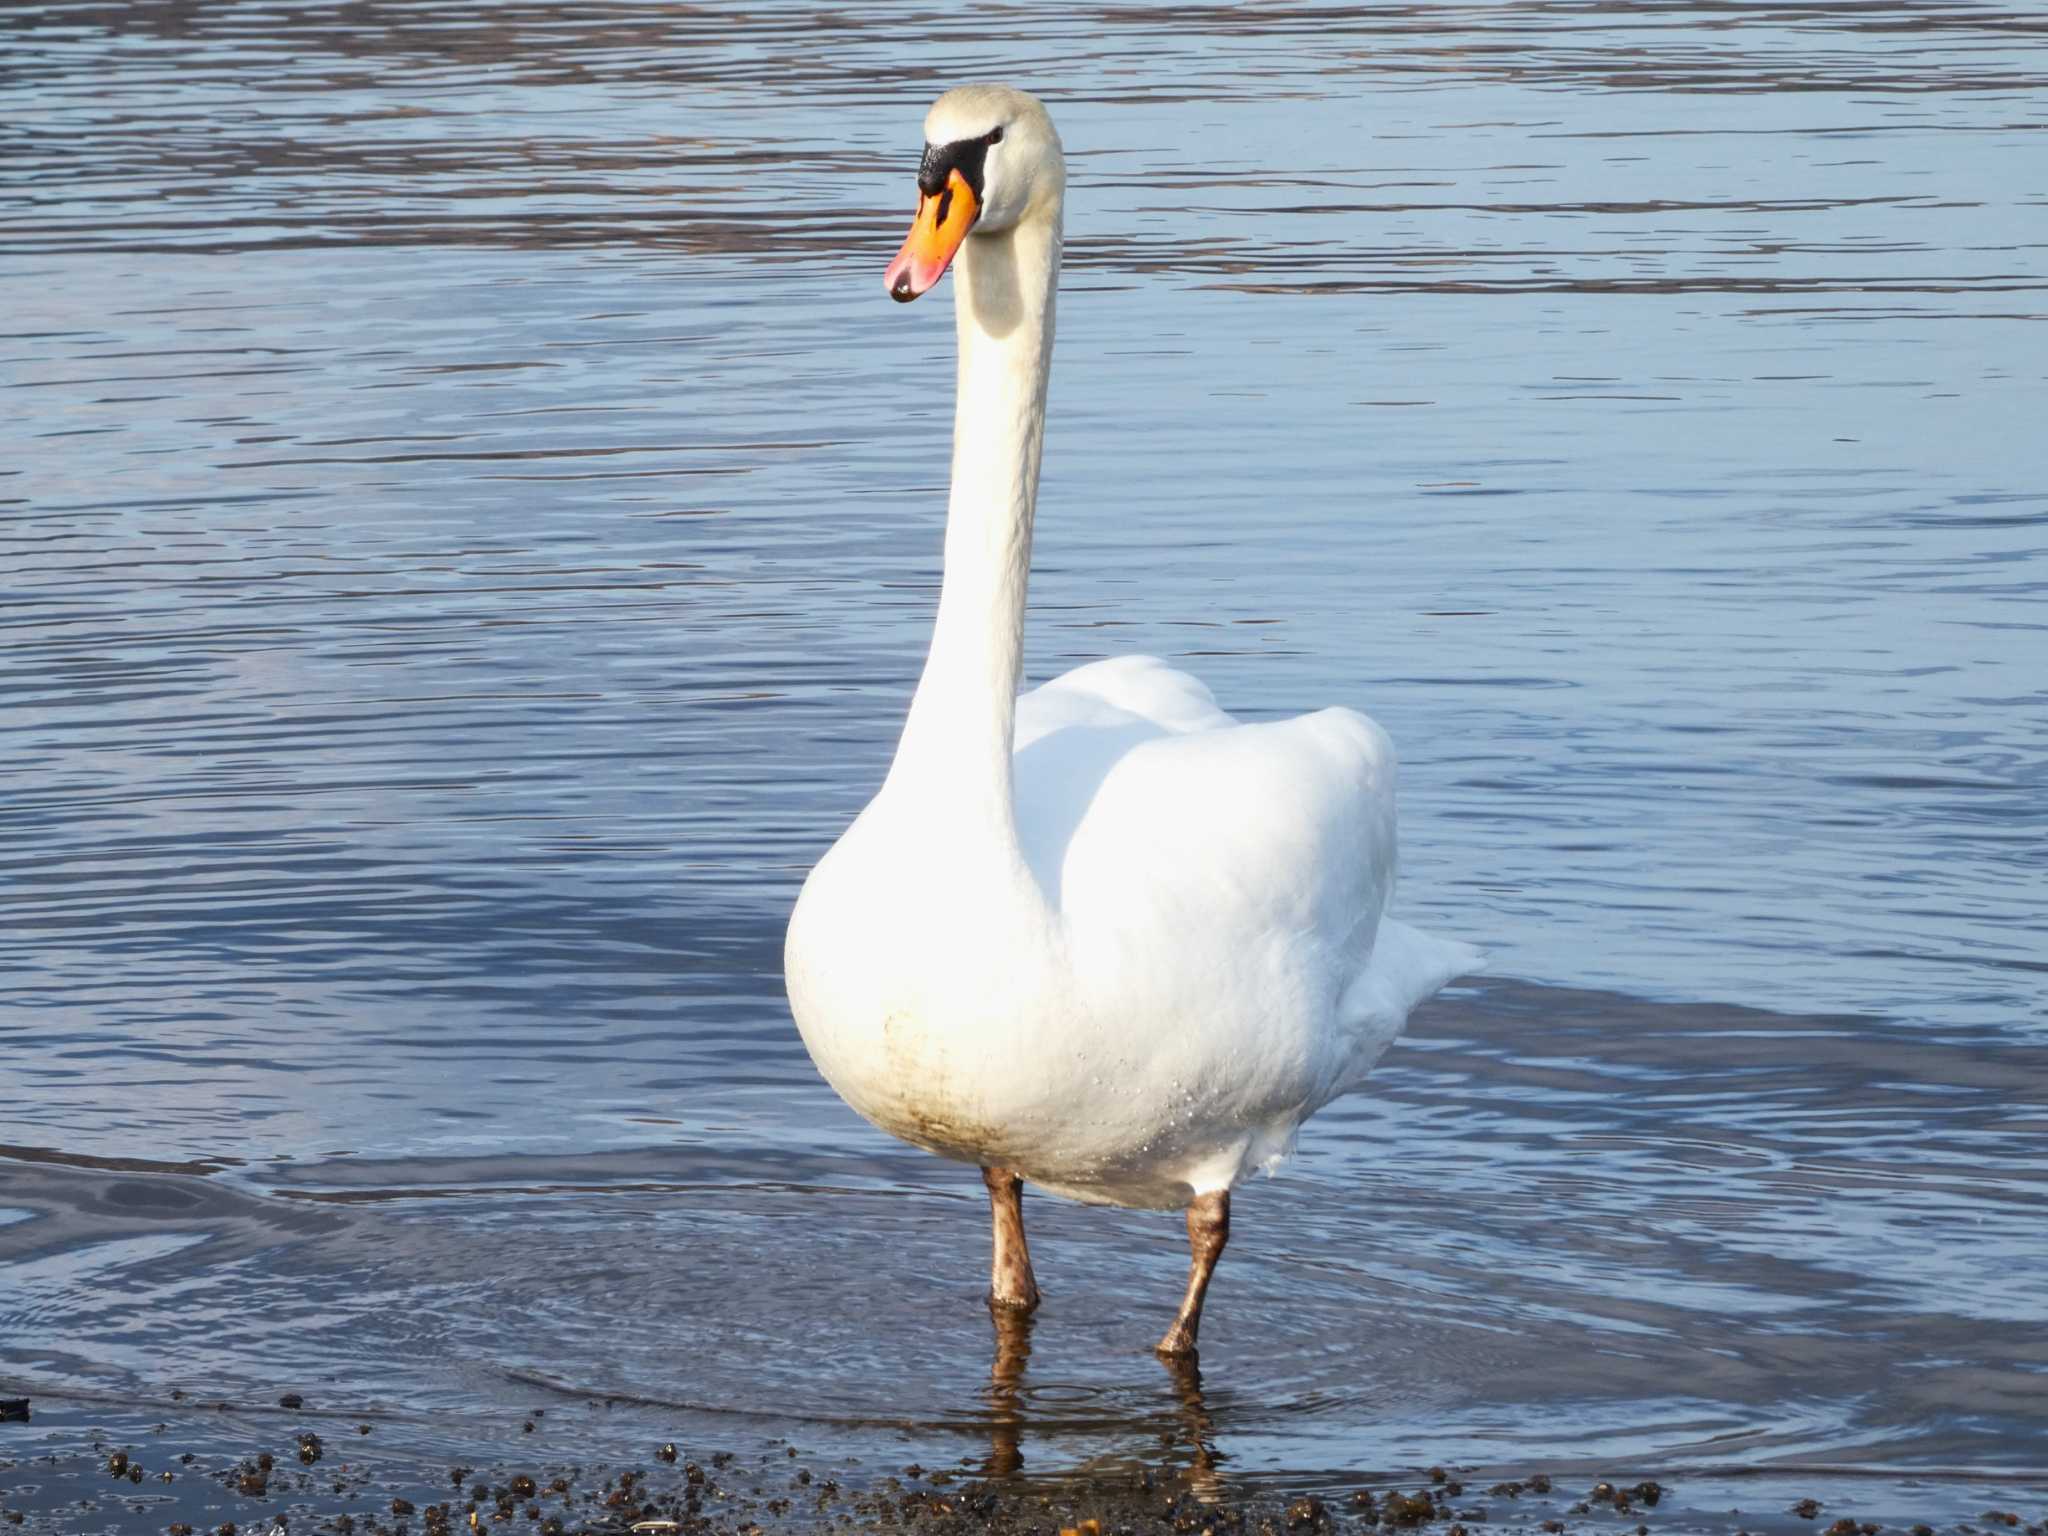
[(470, 525)]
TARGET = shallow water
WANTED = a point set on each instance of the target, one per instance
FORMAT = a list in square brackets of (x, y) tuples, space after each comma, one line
[(471, 525)]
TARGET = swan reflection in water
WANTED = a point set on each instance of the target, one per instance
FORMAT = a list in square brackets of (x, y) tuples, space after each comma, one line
[(1186, 1427)]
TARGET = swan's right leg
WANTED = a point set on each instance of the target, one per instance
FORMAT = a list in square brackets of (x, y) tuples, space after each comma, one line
[(1010, 1282)]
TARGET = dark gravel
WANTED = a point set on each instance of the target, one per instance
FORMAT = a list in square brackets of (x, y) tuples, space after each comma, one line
[(76, 1470)]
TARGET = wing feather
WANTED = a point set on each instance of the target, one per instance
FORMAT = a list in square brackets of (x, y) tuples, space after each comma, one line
[(1256, 860)]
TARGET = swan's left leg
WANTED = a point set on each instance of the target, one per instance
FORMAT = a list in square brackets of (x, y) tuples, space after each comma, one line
[(1208, 1231), (1010, 1281)]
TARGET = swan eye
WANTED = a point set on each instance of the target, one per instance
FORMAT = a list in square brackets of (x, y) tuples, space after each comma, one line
[(993, 136)]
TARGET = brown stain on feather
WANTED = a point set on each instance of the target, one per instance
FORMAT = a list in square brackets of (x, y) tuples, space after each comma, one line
[(926, 1112)]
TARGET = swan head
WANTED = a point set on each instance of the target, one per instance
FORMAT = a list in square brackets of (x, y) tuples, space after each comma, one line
[(992, 160)]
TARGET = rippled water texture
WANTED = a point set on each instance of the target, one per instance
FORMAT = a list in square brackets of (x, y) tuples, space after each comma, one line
[(469, 521)]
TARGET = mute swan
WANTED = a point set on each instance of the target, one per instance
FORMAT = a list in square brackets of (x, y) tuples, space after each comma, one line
[(1101, 937)]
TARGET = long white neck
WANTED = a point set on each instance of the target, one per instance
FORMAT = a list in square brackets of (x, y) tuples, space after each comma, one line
[(955, 753)]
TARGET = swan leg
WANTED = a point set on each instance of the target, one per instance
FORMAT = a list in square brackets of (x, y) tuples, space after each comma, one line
[(1208, 1231), (1010, 1281)]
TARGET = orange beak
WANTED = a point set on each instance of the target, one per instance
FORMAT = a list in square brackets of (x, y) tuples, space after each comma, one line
[(935, 234)]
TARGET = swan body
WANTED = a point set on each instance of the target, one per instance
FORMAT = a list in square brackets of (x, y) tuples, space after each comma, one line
[(1103, 935), (1192, 957)]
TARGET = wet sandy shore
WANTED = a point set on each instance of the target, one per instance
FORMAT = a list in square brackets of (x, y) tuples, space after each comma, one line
[(220, 1469)]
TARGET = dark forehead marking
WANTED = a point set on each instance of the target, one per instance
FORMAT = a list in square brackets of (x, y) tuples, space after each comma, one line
[(963, 155)]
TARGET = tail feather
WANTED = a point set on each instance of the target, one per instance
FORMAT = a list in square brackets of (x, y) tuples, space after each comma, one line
[(1407, 966)]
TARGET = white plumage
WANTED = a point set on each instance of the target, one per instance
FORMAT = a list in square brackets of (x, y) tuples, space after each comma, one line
[(1192, 960), (1101, 935)]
